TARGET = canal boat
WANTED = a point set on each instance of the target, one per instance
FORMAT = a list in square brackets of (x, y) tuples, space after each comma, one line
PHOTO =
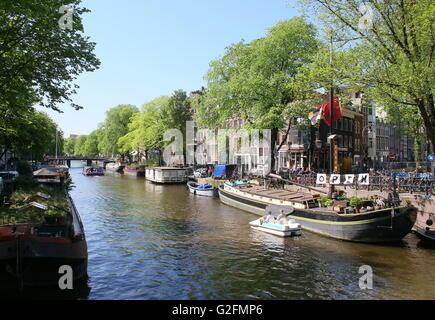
[(114, 167), (385, 225), (40, 238), (277, 223), (202, 190), (166, 175), (92, 171), (138, 171), (425, 228)]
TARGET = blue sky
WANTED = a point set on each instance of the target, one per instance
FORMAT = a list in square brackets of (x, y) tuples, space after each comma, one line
[(150, 48)]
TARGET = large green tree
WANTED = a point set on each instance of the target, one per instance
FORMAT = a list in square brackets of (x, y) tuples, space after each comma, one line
[(39, 60), (146, 128), (69, 145), (390, 45), (176, 113), (36, 136), (90, 147), (79, 148), (114, 127), (257, 81)]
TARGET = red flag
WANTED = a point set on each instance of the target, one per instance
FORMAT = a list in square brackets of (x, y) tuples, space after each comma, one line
[(338, 112)]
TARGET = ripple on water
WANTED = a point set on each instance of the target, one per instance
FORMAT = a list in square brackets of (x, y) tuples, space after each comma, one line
[(159, 242)]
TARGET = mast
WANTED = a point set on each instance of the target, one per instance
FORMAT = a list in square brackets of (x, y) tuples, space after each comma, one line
[(331, 129), (56, 144)]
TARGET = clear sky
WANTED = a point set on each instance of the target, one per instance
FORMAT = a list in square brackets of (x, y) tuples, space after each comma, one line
[(150, 48)]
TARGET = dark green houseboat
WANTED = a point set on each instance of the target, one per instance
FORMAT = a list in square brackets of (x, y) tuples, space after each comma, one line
[(385, 225)]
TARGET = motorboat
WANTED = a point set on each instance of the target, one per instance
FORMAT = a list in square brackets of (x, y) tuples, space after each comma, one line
[(91, 171), (277, 223), (202, 190)]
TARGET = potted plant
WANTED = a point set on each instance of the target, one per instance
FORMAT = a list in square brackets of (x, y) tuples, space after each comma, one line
[(329, 203), (356, 203), (338, 208), (322, 201)]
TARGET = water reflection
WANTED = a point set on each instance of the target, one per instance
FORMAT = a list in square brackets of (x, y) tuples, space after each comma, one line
[(150, 241)]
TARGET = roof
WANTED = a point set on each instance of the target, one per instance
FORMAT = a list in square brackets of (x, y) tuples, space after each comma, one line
[(166, 168), (45, 173)]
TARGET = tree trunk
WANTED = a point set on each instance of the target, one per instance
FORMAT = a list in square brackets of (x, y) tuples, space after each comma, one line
[(273, 154), (417, 148), (289, 126), (427, 112), (5, 151)]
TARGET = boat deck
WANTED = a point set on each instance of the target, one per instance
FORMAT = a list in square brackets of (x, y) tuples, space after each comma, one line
[(284, 195)]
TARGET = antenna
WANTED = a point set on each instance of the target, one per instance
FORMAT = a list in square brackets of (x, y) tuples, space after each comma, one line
[(56, 142)]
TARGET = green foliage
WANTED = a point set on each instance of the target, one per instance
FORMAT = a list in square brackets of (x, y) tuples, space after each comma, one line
[(79, 149), (20, 210), (90, 146), (392, 62), (69, 146), (177, 111), (39, 60), (257, 81), (326, 201), (145, 131), (114, 127), (356, 202), (33, 134)]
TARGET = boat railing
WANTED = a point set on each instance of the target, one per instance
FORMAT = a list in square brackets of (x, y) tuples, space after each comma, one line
[(383, 183)]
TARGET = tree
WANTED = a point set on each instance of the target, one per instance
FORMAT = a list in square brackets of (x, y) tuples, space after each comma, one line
[(146, 128), (39, 62), (176, 113), (38, 59), (114, 127), (90, 147), (393, 56), (79, 149), (36, 136), (257, 81), (69, 146)]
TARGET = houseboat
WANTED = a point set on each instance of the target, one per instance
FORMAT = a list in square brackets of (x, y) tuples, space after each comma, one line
[(115, 167), (385, 225), (166, 175), (92, 171), (202, 190), (425, 228), (41, 231), (138, 171)]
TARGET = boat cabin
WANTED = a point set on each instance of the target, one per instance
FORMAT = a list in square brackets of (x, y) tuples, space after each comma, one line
[(166, 175)]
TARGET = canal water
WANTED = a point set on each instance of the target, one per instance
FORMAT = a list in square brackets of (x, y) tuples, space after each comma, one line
[(149, 241)]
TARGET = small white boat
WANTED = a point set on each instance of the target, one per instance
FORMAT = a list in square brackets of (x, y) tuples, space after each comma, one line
[(202, 190), (277, 224)]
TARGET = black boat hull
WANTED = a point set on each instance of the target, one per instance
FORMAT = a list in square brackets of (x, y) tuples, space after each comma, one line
[(386, 225), (30, 263)]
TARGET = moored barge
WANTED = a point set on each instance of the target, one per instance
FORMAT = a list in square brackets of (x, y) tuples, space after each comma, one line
[(114, 167), (138, 171), (385, 225), (34, 245), (166, 175)]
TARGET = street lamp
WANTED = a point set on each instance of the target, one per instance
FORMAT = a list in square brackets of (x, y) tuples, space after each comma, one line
[(318, 144), (369, 132)]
